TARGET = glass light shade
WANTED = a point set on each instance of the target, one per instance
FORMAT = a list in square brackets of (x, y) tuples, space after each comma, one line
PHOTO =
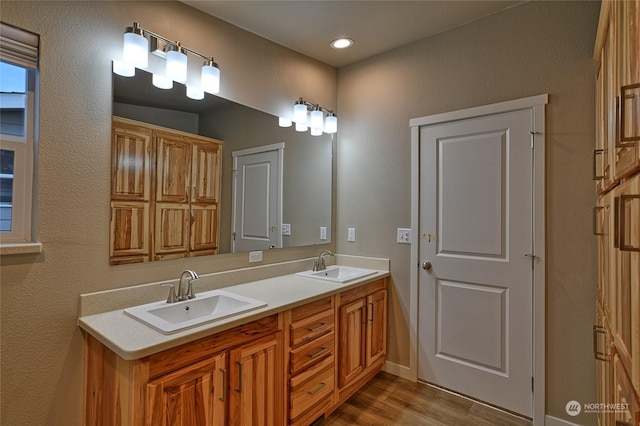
[(210, 78), (124, 69), (195, 93), (316, 132), (331, 124), (315, 119), (300, 113), (284, 122), (301, 127), (161, 82), (177, 66), (136, 50)]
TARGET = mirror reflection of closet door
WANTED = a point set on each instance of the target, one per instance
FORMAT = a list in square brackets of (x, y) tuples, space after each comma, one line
[(257, 198)]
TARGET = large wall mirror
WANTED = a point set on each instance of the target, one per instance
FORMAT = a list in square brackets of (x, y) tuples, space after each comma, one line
[(305, 161)]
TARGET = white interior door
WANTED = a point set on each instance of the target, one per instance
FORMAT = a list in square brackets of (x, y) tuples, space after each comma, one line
[(257, 199), (475, 222)]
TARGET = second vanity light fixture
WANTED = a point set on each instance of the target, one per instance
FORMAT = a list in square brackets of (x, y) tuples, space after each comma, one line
[(136, 55), (309, 115)]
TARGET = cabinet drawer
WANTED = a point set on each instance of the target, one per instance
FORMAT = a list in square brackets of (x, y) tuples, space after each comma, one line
[(309, 328), (312, 352), (312, 308), (311, 387)]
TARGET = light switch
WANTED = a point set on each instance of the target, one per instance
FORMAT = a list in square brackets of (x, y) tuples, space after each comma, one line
[(404, 236), (286, 229), (323, 232), (351, 234)]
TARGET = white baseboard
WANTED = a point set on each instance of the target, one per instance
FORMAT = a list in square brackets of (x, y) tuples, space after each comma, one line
[(554, 421), (399, 370)]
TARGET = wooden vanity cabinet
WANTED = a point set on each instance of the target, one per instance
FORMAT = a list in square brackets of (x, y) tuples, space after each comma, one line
[(362, 331), (230, 378)]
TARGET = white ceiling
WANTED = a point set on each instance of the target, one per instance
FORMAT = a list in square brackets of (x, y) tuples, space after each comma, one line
[(308, 26)]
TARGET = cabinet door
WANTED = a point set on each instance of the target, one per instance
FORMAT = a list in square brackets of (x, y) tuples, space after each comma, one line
[(351, 341), (257, 383), (192, 396), (171, 229), (129, 229), (204, 229), (604, 366), (376, 346), (130, 162), (173, 168), (627, 406), (205, 174)]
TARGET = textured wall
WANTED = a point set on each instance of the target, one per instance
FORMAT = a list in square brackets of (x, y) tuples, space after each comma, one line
[(535, 48), (41, 350)]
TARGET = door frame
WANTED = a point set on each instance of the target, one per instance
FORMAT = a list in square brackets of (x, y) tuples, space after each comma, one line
[(537, 106), (258, 150)]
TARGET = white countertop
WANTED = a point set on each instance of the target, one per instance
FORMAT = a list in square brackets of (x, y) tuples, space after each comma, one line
[(131, 339)]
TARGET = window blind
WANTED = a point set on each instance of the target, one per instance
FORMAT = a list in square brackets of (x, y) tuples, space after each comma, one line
[(18, 47)]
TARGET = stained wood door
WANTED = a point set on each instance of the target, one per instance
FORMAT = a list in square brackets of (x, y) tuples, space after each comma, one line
[(129, 228), (204, 229), (256, 383), (171, 229), (476, 223), (130, 162), (192, 396), (205, 173), (352, 337), (376, 341), (173, 168)]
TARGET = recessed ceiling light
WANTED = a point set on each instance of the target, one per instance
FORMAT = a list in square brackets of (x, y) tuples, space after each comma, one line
[(341, 43)]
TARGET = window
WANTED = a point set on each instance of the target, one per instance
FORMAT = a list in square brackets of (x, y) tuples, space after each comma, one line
[(18, 67)]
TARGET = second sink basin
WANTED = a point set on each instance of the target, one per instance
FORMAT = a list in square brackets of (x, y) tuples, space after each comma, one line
[(338, 274), (208, 306)]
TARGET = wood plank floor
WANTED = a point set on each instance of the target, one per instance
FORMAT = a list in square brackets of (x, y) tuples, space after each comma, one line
[(391, 400)]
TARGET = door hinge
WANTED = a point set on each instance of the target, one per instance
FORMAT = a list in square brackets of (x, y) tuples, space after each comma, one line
[(233, 234), (533, 134)]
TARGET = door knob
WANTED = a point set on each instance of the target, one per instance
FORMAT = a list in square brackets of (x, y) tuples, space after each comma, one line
[(426, 265)]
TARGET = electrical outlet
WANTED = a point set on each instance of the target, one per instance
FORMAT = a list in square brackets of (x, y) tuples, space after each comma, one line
[(404, 236), (286, 229), (323, 232), (351, 234), (255, 256)]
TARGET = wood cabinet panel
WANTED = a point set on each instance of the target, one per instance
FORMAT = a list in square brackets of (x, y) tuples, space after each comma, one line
[(129, 229), (376, 347), (312, 327), (204, 229), (205, 173), (173, 169), (351, 359), (171, 228), (312, 387), (312, 353), (256, 383), (130, 162), (189, 397)]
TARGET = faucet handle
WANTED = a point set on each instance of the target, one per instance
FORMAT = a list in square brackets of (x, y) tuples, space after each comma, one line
[(190, 293), (172, 298)]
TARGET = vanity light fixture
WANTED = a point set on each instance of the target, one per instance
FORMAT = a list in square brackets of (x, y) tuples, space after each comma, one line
[(309, 115), (136, 55), (284, 122)]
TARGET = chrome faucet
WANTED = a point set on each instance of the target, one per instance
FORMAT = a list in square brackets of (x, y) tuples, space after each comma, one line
[(183, 294), (318, 264)]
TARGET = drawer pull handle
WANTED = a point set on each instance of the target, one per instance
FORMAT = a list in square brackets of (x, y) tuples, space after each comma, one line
[(598, 153), (322, 326), (317, 354), (622, 223), (599, 330), (317, 389), (239, 388)]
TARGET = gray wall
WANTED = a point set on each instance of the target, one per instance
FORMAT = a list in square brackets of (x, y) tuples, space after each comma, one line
[(539, 47), (42, 347)]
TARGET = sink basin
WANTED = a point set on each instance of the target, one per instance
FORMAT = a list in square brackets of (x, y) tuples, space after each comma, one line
[(338, 274), (208, 306)]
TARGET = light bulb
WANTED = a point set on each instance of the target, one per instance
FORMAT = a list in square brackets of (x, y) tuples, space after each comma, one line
[(315, 118), (135, 51), (123, 69), (177, 64), (284, 122), (195, 93), (316, 132), (331, 123), (301, 127), (300, 112), (210, 77), (161, 82)]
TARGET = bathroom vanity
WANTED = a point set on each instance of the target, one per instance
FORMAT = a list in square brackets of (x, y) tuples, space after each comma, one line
[(312, 346)]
